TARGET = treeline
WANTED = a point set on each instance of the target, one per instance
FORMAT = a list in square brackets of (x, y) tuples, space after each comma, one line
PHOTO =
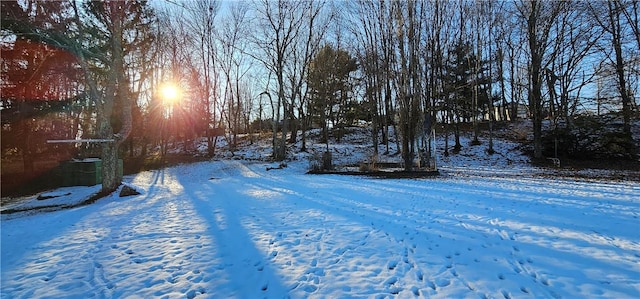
[(74, 70)]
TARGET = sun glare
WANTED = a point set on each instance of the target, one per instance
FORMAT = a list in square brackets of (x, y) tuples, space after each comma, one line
[(170, 93)]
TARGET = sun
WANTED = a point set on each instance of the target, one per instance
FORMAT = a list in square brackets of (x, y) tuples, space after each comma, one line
[(170, 93)]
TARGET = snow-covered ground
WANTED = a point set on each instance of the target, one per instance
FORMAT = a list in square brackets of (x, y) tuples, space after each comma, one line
[(486, 228)]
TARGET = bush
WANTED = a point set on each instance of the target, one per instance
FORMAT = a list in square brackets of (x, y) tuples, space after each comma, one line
[(566, 140), (315, 163), (618, 145), (589, 137), (371, 165), (319, 163)]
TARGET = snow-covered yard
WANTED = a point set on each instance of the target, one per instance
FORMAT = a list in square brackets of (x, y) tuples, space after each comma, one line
[(232, 229)]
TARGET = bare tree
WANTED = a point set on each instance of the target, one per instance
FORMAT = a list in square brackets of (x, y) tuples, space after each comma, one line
[(539, 17), (514, 78), (365, 30), (574, 43), (289, 33), (317, 21), (170, 69), (631, 12), (408, 22), (277, 31), (375, 31), (438, 44), (610, 16), (232, 41), (200, 21)]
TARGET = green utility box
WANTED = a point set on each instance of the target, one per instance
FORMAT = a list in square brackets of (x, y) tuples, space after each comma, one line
[(86, 172)]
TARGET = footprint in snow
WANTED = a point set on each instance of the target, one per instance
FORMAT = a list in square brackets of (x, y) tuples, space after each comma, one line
[(544, 281), (309, 288), (442, 282), (419, 275), (395, 290), (392, 265), (340, 251), (315, 271), (391, 281), (259, 266), (193, 293), (50, 275)]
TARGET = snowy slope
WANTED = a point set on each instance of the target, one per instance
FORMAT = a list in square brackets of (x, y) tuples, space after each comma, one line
[(232, 229)]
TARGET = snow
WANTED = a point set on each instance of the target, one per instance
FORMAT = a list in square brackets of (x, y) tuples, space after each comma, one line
[(488, 227)]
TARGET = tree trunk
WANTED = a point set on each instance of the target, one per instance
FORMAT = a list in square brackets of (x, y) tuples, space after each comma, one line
[(280, 150), (110, 178), (373, 100), (535, 93), (303, 128), (118, 89), (616, 32)]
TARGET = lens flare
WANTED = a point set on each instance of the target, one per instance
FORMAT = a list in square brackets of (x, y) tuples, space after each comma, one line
[(170, 93)]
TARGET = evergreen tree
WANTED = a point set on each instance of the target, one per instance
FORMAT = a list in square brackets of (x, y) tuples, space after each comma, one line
[(330, 85), (459, 84)]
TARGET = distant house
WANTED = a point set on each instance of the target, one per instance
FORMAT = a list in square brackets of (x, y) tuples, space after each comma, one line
[(522, 112), (217, 131)]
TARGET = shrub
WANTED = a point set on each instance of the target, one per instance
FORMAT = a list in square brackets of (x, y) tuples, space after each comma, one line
[(371, 165), (318, 163)]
